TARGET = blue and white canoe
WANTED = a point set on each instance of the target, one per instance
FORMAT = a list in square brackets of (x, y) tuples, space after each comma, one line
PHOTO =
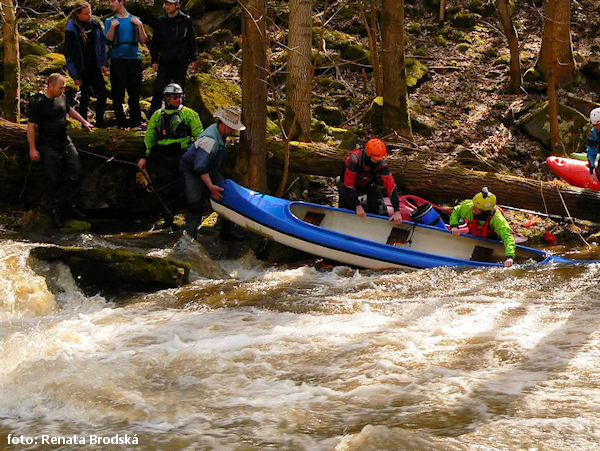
[(372, 242)]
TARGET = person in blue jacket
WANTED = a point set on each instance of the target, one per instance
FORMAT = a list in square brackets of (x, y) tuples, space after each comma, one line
[(87, 62), (201, 164), (124, 32), (593, 141)]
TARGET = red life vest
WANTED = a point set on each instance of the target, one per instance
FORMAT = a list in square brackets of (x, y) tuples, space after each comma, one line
[(359, 171), (484, 229)]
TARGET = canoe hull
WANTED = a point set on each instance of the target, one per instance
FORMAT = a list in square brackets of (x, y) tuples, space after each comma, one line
[(574, 172), (340, 235)]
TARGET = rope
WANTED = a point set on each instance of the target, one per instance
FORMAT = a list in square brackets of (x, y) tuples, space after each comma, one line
[(570, 218), (108, 159)]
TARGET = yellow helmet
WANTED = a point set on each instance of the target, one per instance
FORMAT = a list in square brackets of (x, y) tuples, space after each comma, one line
[(484, 200)]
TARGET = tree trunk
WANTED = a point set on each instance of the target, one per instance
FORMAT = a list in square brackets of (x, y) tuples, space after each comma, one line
[(12, 66), (436, 184), (372, 34), (252, 162), (442, 12), (395, 92), (557, 14), (299, 74), (513, 43), (551, 70)]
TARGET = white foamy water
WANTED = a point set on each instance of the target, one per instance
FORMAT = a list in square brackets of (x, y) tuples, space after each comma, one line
[(301, 359)]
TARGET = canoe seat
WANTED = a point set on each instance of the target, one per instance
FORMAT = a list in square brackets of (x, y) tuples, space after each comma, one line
[(398, 236), (483, 254), (313, 218)]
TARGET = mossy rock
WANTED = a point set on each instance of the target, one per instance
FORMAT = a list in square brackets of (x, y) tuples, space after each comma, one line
[(206, 93), (440, 41), (28, 47), (416, 72), (573, 126), (482, 7), (329, 83), (215, 39), (465, 20), (503, 60), (273, 128), (331, 115), (43, 65), (55, 32), (463, 47), (318, 130), (343, 101), (356, 53), (422, 124), (114, 270), (414, 28), (348, 138), (531, 75)]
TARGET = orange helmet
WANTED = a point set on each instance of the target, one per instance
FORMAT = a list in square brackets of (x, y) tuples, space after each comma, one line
[(376, 148)]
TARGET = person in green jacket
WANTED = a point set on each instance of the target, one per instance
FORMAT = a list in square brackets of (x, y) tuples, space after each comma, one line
[(170, 131), (484, 219)]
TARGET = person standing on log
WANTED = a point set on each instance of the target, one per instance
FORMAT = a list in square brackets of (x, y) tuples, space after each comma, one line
[(484, 219), (173, 49), (201, 164), (170, 132), (593, 142), (364, 171), (48, 114), (124, 33), (87, 62)]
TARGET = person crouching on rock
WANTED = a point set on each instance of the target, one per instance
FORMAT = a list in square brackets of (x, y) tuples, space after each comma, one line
[(484, 219), (593, 142), (201, 164), (363, 170)]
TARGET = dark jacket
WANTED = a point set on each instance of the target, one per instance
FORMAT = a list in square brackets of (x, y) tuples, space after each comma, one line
[(74, 48), (173, 40)]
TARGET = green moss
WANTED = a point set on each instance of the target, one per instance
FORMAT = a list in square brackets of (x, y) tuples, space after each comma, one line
[(466, 20), (414, 28), (531, 75), (207, 93), (416, 71), (329, 83), (504, 60), (440, 41), (463, 47), (43, 65)]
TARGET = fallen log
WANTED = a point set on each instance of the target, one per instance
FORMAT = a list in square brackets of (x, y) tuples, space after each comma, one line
[(114, 184), (451, 184)]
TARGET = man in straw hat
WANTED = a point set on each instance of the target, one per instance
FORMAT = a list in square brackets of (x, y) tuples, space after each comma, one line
[(201, 164)]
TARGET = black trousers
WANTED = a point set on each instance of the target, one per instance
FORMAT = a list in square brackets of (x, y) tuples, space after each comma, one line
[(126, 75), (93, 81), (373, 196), (62, 164), (167, 73), (167, 178)]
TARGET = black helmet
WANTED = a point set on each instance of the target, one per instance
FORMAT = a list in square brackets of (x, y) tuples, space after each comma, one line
[(173, 88)]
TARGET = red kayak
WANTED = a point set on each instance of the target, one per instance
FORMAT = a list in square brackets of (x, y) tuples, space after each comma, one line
[(574, 172)]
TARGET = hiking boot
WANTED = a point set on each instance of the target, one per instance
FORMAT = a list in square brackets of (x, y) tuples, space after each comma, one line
[(56, 220)]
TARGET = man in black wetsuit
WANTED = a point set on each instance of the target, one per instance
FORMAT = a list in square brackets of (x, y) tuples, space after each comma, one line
[(48, 115)]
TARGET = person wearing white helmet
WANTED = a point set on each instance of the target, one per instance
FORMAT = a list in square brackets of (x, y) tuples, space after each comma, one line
[(201, 164), (484, 219), (170, 131), (593, 141)]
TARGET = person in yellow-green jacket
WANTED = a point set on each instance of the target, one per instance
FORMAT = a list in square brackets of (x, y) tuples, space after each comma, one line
[(484, 219), (170, 132)]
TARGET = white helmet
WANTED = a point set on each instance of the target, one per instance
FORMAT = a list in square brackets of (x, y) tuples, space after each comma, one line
[(595, 116)]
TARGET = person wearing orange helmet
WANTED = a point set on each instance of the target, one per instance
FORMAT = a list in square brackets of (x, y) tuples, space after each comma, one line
[(364, 171)]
